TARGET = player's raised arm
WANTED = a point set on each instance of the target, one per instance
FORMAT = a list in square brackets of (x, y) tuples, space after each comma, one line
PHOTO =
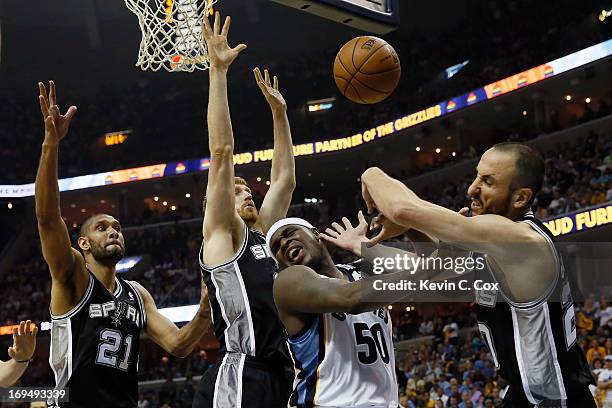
[(220, 214), (178, 342), (63, 260), (282, 176), (21, 352)]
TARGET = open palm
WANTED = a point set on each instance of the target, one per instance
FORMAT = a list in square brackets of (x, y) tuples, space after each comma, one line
[(348, 237), (270, 89), (220, 54), (56, 124)]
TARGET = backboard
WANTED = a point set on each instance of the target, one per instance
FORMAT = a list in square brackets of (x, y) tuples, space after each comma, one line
[(376, 16)]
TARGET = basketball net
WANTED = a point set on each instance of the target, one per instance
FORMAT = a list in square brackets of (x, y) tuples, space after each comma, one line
[(172, 35)]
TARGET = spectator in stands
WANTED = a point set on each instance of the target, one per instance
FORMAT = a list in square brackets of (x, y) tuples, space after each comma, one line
[(604, 382), (403, 401), (451, 331), (595, 350), (166, 369), (605, 313), (426, 327), (199, 363), (143, 402)]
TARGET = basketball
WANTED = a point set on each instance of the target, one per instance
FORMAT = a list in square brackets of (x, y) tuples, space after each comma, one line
[(367, 70)]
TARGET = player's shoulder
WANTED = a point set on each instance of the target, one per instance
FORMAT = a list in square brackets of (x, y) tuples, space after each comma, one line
[(292, 276), (523, 229), (142, 291)]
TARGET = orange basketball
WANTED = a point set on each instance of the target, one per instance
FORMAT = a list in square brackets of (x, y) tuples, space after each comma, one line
[(367, 70)]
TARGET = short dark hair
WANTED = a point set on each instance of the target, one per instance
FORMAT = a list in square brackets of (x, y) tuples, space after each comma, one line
[(528, 169), (87, 224)]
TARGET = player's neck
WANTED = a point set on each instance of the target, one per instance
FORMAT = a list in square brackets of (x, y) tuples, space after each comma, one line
[(105, 274), (328, 268)]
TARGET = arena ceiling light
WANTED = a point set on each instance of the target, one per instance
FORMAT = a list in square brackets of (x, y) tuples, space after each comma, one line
[(418, 149), (10, 206), (187, 195), (588, 100), (603, 15), (568, 97)]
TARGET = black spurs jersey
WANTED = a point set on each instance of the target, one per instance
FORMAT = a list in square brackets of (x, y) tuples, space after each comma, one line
[(533, 345), (94, 347), (243, 310)]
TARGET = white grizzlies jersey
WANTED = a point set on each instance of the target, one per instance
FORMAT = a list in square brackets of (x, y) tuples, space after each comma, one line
[(344, 360)]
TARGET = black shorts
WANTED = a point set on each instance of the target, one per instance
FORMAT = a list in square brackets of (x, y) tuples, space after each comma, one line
[(580, 397), (232, 384)]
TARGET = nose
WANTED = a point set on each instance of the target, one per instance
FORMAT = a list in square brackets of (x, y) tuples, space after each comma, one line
[(114, 233), (474, 188), (284, 243)]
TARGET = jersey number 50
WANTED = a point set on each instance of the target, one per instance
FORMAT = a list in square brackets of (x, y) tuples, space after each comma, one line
[(374, 338)]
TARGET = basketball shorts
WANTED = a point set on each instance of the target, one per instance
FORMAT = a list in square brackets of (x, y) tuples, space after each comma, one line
[(238, 381), (580, 397)]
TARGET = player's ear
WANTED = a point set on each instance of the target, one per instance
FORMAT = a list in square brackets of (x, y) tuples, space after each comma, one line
[(316, 233), (83, 243), (521, 198)]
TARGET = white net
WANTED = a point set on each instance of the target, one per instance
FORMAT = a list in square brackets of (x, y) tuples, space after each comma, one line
[(171, 34)]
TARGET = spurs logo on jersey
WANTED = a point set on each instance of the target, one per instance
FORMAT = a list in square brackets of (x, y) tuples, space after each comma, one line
[(344, 360), (119, 311), (534, 344), (99, 340), (260, 251)]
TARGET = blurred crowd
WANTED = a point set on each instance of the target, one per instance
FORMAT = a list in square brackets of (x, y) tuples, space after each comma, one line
[(158, 119)]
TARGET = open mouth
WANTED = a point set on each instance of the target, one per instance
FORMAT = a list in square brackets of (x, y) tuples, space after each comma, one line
[(475, 204), (295, 254)]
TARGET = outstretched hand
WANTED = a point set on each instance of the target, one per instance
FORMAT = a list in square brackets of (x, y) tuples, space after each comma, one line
[(220, 54), (270, 90), (56, 124), (24, 342), (348, 237)]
